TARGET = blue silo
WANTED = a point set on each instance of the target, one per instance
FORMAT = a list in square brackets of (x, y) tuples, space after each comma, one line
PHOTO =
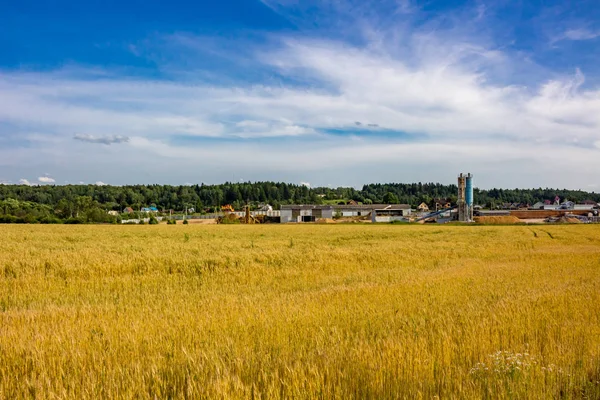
[(469, 190)]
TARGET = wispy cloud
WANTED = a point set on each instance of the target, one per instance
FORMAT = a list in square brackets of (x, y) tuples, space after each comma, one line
[(107, 140), (24, 181), (576, 34), (581, 34)]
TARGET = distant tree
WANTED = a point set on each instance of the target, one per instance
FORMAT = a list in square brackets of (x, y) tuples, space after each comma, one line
[(390, 198)]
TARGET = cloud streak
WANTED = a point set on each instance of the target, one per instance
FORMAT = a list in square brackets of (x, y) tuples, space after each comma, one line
[(106, 140), (581, 34)]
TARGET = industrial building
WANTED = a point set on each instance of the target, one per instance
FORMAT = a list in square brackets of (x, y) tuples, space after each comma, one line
[(304, 213), (390, 213), (374, 212)]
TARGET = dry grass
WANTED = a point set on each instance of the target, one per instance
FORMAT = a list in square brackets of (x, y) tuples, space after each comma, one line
[(500, 220), (315, 311)]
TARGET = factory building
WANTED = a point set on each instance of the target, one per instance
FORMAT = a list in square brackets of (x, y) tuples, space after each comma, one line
[(391, 212), (304, 213), (374, 212)]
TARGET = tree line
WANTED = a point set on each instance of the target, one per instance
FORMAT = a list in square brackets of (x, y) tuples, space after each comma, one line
[(90, 203)]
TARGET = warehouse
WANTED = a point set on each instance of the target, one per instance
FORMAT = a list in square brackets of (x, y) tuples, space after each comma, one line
[(390, 213), (374, 212), (304, 213)]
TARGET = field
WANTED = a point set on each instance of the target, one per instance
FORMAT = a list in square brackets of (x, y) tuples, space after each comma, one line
[(306, 311)]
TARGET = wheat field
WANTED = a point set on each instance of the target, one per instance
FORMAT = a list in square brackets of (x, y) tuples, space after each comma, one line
[(299, 311)]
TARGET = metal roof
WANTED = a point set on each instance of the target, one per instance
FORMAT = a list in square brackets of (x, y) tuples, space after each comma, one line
[(375, 207), (305, 207), (346, 207)]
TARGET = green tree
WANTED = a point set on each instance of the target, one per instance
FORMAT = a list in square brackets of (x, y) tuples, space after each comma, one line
[(390, 198)]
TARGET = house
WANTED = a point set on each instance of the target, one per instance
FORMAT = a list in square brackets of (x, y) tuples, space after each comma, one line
[(441, 204), (149, 209), (547, 203), (128, 210), (423, 207), (352, 203), (113, 213), (538, 206)]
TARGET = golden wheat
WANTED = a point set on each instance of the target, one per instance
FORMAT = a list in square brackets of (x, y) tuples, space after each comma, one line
[(306, 311)]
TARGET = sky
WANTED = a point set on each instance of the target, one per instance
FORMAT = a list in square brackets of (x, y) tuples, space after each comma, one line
[(330, 92)]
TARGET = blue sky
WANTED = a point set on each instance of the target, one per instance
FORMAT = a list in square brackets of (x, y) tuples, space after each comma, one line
[(340, 92)]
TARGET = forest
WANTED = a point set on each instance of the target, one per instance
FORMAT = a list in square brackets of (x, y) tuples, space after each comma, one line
[(90, 203)]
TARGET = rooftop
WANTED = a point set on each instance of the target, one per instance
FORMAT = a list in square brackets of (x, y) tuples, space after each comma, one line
[(346, 207)]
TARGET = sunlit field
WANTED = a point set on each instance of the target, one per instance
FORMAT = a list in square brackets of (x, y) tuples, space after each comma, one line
[(305, 311)]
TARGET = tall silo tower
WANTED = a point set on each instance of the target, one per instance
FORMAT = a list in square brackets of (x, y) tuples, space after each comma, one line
[(469, 196), (465, 198), (462, 202)]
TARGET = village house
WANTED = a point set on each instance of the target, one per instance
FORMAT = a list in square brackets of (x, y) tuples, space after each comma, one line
[(423, 207), (441, 204)]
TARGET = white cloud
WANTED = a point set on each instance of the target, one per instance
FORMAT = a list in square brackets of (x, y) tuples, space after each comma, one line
[(107, 140), (436, 97), (307, 184), (282, 128), (24, 181), (581, 34), (100, 183), (46, 179), (252, 125), (576, 34)]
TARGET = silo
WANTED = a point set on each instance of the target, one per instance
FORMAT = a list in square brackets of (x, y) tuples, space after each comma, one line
[(461, 203), (469, 197), (469, 190)]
